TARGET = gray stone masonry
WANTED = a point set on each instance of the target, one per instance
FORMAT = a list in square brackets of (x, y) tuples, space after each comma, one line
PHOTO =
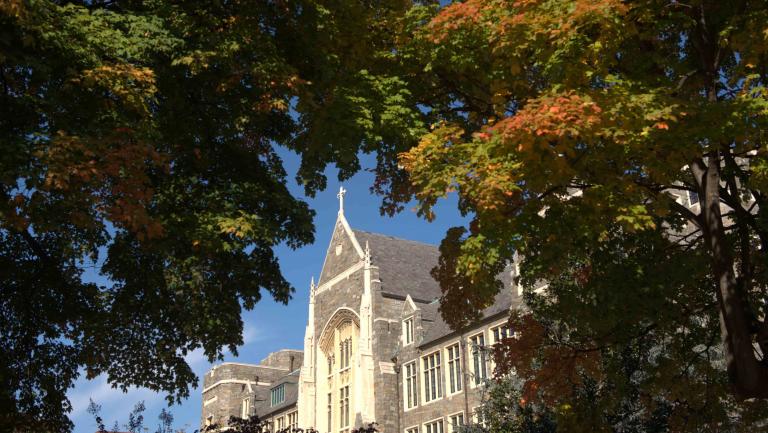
[(288, 359), (347, 292), (464, 401), (225, 386), (386, 340), (400, 276)]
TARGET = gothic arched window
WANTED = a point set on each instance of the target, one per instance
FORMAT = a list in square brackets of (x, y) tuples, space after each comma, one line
[(337, 346)]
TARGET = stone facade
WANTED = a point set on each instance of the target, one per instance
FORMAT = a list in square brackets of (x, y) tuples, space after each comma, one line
[(374, 337), (227, 386)]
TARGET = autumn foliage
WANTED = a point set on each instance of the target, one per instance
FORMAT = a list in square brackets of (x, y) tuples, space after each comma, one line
[(142, 192), (616, 150)]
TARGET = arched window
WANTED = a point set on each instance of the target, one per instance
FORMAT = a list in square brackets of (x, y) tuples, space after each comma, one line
[(338, 342)]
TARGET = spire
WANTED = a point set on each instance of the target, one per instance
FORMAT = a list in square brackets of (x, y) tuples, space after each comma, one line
[(312, 287), (340, 195), (367, 256)]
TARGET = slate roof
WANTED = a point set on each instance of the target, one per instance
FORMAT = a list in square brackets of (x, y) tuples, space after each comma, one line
[(435, 327), (291, 395), (404, 265), (404, 269)]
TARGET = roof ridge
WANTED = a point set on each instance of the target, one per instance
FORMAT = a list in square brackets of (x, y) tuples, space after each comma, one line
[(395, 238)]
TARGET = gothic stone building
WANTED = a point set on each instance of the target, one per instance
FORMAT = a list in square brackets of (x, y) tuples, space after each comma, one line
[(375, 349)]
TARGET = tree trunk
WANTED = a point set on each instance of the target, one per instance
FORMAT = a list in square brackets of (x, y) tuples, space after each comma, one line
[(748, 376)]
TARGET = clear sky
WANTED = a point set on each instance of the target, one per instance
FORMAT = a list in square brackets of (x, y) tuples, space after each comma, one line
[(272, 326)]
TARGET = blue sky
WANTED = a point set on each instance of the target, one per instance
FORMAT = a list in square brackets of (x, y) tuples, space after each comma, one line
[(272, 326)]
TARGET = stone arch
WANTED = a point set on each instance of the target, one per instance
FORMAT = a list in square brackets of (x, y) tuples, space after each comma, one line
[(337, 349), (339, 317)]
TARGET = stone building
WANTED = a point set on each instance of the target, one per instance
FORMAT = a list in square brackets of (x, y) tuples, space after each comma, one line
[(375, 348), (268, 388)]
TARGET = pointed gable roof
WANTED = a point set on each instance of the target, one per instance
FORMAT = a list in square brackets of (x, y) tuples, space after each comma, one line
[(404, 266), (404, 270), (350, 249)]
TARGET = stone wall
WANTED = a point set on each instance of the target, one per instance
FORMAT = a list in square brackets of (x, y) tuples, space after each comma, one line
[(272, 418), (340, 256), (386, 333), (287, 359), (344, 293), (464, 401), (347, 292), (226, 385)]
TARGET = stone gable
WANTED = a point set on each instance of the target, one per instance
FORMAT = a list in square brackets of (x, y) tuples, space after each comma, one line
[(342, 253), (378, 281)]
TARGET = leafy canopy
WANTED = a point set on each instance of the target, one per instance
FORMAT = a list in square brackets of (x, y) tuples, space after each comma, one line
[(140, 137), (617, 149), (139, 140)]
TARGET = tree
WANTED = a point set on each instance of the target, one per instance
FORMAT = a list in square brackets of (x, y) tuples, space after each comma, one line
[(503, 410), (166, 422), (255, 424), (140, 140), (135, 420), (618, 149), (653, 383), (95, 411)]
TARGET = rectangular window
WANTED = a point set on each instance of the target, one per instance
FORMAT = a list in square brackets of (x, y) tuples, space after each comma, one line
[(408, 331), (245, 409), (455, 422), (330, 365), (500, 332), (411, 393), (693, 197), (293, 421), (344, 407), (330, 412), (434, 427), (349, 351), (479, 361), (432, 380), (454, 369), (345, 353), (277, 394)]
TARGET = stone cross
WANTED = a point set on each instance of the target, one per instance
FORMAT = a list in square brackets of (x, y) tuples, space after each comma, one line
[(340, 195)]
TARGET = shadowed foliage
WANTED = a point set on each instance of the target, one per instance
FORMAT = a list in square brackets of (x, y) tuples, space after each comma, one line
[(617, 149), (140, 143)]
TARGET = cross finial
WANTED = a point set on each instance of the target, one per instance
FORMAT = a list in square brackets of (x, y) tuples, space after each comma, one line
[(340, 195)]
